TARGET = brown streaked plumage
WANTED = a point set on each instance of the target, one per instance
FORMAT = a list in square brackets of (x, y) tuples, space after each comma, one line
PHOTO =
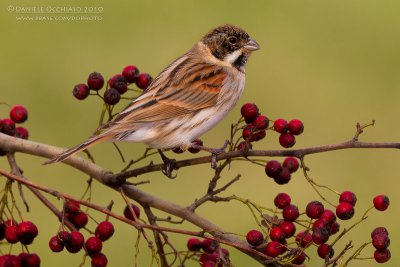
[(187, 98)]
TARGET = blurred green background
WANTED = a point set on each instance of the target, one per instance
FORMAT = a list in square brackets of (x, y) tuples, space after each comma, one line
[(328, 63)]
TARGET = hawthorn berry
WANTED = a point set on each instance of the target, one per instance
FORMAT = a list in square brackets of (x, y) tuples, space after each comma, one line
[(79, 220), (249, 111), (251, 134), (76, 240), (283, 176), (128, 213), (379, 231), (295, 127), (273, 168), (99, 260), (64, 236), (380, 241), (322, 223), (7, 126), (304, 239), (21, 132), (112, 96), (254, 238), (290, 213), (299, 259), (335, 227), (291, 164), (95, 81), (55, 244), (29, 260), (72, 207), (207, 258), (382, 256), (18, 114), (349, 197), (81, 91), (196, 142), (178, 150), (261, 122), (244, 146), (381, 202), (143, 80), (287, 140), (277, 234), (288, 228), (320, 235), (282, 200), (274, 249), (314, 209), (209, 246), (281, 126), (104, 230), (324, 250), (11, 234), (130, 73), (328, 215), (344, 211), (119, 82), (27, 231), (93, 245), (194, 244)]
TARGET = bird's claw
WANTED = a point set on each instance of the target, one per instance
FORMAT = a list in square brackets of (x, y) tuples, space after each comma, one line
[(169, 165)]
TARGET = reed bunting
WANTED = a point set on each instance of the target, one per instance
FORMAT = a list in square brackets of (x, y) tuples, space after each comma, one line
[(187, 98)]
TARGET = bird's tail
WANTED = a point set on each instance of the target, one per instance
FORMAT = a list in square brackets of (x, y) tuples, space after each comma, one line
[(68, 153)]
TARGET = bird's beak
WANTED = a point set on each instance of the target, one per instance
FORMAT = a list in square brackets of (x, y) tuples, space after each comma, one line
[(251, 45)]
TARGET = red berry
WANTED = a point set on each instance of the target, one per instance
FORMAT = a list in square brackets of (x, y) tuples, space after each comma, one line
[(282, 200), (381, 241), (206, 258), (344, 211), (335, 227), (196, 142), (287, 140), (379, 231), (99, 260), (104, 230), (64, 237), (27, 231), (21, 132), (288, 228), (130, 73), (143, 80), (295, 127), (128, 213), (325, 250), (274, 249), (209, 246), (29, 260), (11, 234), (320, 235), (244, 146), (261, 122), (273, 168), (93, 245), (95, 81), (18, 114), (291, 164), (251, 134), (119, 82), (382, 256), (314, 209), (194, 244), (349, 197), (290, 213), (10, 260), (322, 223), (178, 150), (381, 202), (55, 244), (249, 111), (81, 91), (300, 258), (304, 239), (276, 234), (76, 240), (280, 125), (283, 177), (72, 207), (328, 215), (254, 238), (112, 96), (7, 126), (79, 220)]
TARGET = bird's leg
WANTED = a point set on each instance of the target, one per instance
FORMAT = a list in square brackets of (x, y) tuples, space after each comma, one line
[(169, 165), (214, 152)]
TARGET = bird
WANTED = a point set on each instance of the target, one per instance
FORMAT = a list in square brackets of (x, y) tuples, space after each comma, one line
[(188, 98)]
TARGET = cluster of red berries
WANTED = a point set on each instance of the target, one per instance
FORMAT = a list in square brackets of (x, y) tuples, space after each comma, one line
[(192, 150), (281, 173), (75, 241), (323, 224), (116, 85), (209, 251), (258, 124), (24, 232), (18, 114)]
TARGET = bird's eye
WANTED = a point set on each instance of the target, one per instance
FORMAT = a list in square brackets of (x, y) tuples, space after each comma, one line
[(232, 40)]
